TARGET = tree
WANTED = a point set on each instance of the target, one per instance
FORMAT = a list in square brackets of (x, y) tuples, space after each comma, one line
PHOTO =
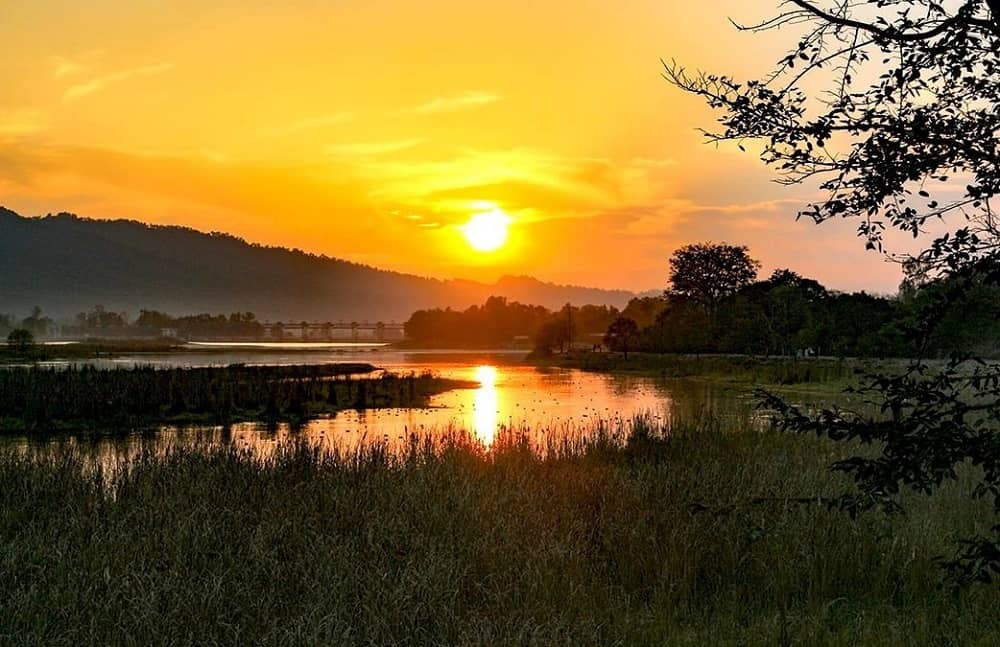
[(705, 273), (622, 335), (791, 306), (36, 324), (100, 318), (905, 132), (154, 320), (644, 310), (552, 334), (20, 341)]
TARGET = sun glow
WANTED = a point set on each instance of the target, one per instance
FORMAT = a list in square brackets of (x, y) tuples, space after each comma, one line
[(487, 232), (486, 404)]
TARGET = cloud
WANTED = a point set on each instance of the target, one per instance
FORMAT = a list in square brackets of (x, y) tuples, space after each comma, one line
[(532, 183), (63, 67), (18, 122), (99, 83), (452, 103), (66, 66), (322, 121), (372, 148)]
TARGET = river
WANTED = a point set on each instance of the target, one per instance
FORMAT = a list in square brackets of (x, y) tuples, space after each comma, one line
[(549, 403)]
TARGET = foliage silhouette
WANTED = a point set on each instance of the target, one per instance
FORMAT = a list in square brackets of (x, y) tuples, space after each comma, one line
[(905, 133), (499, 322), (705, 273), (20, 341), (622, 335)]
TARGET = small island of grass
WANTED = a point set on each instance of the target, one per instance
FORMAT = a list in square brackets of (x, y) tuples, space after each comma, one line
[(39, 399)]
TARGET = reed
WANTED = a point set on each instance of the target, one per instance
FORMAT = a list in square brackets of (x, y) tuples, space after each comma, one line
[(632, 535)]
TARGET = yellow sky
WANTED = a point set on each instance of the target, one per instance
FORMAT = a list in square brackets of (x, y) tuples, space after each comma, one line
[(371, 130)]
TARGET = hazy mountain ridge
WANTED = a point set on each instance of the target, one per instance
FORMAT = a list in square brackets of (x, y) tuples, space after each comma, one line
[(66, 264)]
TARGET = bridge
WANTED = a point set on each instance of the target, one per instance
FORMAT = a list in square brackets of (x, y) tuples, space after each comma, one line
[(378, 331)]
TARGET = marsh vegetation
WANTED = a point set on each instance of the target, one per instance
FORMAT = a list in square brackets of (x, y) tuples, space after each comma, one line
[(43, 400), (686, 533)]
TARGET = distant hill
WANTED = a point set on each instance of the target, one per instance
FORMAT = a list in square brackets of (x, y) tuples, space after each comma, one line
[(67, 264)]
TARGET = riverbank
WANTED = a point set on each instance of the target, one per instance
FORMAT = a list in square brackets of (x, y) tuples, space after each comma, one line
[(45, 400), (828, 373), (110, 348), (651, 541)]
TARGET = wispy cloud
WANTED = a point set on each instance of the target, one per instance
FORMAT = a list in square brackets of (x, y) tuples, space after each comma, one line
[(321, 121), (63, 67), (372, 148), (21, 121), (99, 83), (452, 103)]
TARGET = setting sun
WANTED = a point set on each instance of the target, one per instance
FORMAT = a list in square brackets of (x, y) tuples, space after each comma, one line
[(487, 232)]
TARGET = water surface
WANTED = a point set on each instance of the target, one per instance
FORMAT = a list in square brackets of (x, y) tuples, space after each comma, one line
[(550, 403)]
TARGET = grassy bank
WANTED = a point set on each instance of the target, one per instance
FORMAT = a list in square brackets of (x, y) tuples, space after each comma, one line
[(595, 544), (38, 399), (758, 370)]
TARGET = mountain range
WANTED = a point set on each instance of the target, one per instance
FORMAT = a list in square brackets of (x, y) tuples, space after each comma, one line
[(67, 264)]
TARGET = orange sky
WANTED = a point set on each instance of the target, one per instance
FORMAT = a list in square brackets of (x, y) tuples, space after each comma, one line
[(372, 130)]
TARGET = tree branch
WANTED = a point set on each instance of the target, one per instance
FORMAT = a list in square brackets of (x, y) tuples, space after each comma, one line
[(896, 35)]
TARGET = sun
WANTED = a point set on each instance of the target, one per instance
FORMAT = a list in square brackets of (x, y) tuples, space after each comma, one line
[(487, 232)]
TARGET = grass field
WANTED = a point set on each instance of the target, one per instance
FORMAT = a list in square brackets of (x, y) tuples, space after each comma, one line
[(593, 543)]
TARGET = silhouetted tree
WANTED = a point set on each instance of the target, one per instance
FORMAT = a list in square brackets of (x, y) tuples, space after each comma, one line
[(622, 335), (903, 131), (36, 324), (20, 341), (154, 320), (551, 335), (644, 310), (101, 321), (496, 323), (707, 272)]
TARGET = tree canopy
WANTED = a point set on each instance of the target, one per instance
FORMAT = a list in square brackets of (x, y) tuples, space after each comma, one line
[(706, 272), (622, 335)]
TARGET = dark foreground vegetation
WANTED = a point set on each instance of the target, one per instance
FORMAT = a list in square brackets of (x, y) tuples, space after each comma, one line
[(42, 399), (691, 540)]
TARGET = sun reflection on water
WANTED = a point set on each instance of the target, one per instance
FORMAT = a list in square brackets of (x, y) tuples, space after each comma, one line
[(486, 405), (546, 404)]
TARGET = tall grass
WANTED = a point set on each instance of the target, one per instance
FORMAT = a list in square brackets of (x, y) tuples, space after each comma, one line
[(597, 541)]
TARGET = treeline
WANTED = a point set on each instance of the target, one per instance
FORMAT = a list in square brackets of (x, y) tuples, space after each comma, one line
[(500, 323), (709, 309), (233, 325), (99, 322), (785, 314), (36, 324)]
